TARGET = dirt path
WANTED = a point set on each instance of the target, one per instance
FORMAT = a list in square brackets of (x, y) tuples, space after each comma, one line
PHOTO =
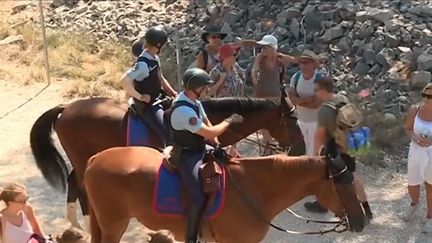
[(386, 188)]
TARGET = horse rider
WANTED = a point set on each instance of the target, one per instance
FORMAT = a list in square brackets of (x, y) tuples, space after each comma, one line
[(144, 81), (189, 128)]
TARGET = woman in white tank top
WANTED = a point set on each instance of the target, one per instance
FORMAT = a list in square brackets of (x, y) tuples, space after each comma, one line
[(418, 127), (18, 221)]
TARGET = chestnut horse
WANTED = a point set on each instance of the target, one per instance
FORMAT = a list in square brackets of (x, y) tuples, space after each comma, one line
[(120, 185), (86, 127)]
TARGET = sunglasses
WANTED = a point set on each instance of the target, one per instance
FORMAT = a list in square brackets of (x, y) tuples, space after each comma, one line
[(22, 201), (427, 96)]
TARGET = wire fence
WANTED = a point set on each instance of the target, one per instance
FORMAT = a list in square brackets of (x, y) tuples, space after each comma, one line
[(47, 67)]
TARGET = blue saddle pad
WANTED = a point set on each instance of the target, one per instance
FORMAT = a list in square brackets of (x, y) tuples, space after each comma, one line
[(138, 133), (168, 199)]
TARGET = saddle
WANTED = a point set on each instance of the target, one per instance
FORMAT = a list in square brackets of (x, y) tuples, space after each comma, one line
[(210, 170), (137, 107)]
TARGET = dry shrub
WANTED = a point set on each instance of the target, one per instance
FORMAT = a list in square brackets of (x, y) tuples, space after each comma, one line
[(82, 88)]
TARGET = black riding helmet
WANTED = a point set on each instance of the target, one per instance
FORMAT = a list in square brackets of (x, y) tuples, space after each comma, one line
[(156, 36), (196, 77)]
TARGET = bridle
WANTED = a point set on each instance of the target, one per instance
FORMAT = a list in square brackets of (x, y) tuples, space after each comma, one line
[(273, 147)]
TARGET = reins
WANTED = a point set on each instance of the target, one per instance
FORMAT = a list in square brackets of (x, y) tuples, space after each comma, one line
[(337, 228)]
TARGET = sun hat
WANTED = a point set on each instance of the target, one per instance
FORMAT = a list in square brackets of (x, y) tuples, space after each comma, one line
[(212, 30)]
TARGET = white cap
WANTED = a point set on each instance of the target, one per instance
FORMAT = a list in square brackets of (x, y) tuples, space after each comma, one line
[(269, 40)]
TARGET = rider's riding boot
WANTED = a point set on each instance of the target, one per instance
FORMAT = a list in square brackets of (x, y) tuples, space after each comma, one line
[(193, 223), (315, 207)]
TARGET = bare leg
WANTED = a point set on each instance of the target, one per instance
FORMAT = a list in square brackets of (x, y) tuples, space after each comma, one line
[(414, 192), (429, 199)]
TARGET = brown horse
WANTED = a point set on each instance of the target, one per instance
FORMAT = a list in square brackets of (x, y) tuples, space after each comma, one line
[(120, 185), (86, 127)]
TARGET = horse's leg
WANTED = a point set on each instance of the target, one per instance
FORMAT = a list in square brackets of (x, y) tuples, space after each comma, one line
[(82, 197), (96, 235), (113, 229), (72, 196)]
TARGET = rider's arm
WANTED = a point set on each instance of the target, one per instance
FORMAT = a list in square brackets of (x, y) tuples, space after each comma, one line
[(139, 70), (211, 132), (129, 88), (186, 118), (208, 123)]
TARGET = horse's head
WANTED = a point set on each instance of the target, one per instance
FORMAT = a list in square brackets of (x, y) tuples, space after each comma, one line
[(286, 130), (338, 193)]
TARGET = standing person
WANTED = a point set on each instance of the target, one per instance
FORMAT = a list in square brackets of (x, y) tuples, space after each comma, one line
[(268, 73), (229, 78), (208, 57), (190, 127), (268, 68), (145, 81), (18, 221), (331, 130), (302, 95), (418, 127)]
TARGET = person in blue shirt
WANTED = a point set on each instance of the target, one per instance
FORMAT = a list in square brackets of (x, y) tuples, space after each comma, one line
[(190, 128), (145, 81)]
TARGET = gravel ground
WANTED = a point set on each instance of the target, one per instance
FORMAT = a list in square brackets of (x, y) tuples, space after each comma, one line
[(385, 187)]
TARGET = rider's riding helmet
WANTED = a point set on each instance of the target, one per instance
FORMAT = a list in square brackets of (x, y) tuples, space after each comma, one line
[(156, 36), (196, 77)]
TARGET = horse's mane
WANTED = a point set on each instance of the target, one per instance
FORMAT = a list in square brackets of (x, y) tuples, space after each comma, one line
[(239, 104), (283, 162)]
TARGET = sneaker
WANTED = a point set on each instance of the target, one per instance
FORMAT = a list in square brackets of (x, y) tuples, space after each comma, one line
[(315, 207), (427, 228), (410, 212)]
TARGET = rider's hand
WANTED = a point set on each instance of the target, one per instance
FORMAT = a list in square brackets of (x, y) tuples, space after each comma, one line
[(175, 93), (145, 98), (234, 118)]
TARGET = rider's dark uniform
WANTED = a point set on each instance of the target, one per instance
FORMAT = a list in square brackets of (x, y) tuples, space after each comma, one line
[(147, 78), (187, 117)]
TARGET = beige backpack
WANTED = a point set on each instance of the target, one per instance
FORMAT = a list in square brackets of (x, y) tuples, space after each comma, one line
[(348, 120)]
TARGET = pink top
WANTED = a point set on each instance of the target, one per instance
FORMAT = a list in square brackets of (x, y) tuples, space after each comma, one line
[(16, 234)]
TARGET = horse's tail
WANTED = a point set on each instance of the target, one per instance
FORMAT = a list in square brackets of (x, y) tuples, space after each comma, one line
[(48, 159)]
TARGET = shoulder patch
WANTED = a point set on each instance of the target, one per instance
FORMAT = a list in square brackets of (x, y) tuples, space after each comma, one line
[(193, 121), (136, 67)]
